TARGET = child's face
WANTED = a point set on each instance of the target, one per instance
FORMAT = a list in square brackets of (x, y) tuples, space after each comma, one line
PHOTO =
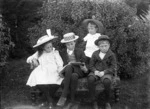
[(71, 45), (104, 46), (48, 47), (92, 28)]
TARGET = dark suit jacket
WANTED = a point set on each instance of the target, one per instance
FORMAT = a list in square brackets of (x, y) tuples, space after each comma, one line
[(80, 57), (108, 64)]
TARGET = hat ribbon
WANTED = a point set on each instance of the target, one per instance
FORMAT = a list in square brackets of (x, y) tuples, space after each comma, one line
[(69, 38), (49, 33)]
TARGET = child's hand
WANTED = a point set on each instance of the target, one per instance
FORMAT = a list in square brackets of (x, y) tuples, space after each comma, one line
[(35, 62), (70, 63), (101, 74), (84, 68), (96, 72), (61, 75)]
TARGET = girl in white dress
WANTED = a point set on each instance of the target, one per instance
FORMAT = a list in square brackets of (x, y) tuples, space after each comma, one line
[(95, 29), (48, 64)]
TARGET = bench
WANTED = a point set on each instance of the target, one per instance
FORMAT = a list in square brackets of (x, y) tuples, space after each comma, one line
[(115, 86), (83, 87)]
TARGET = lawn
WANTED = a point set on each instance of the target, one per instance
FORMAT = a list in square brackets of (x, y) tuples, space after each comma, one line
[(135, 93)]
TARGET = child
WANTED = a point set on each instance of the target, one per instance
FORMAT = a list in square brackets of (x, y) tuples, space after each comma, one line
[(103, 66), (93, 27), (71, 56), (49, 63)]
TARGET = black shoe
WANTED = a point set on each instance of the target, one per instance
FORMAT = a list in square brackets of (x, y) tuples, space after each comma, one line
[(107, 106), (69, 105), (75, 106), (61, 101), (50, 106), (72, 105), (95, 105)]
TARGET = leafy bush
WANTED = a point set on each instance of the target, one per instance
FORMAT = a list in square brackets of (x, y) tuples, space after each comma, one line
[(130, 37), (19, 16), (5, 43)]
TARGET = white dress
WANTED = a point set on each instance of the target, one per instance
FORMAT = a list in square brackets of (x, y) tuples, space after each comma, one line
[(90, 45), (50, 64)]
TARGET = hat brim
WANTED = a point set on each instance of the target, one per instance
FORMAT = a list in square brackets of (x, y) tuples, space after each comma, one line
[(63, 41), (38, 44), (102, 39), (101, 28)]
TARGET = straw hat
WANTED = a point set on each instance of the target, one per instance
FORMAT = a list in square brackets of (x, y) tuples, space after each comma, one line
[(102, 37), (44, 38), (101, 28), (69, 37)]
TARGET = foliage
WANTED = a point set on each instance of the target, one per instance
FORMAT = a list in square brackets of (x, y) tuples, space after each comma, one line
[(130, 38), (19, 16), (142, 7), (5, 42)]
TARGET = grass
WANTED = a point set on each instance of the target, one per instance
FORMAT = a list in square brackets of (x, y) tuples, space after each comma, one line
[(134, 92)]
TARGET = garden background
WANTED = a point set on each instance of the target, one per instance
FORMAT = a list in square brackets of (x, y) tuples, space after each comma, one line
[(126, 22)]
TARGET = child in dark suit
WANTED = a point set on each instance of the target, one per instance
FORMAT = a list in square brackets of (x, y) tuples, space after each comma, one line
[(103, 66), (71, 56)]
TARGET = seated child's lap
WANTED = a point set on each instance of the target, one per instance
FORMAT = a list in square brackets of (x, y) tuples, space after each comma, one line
[(107, 76)]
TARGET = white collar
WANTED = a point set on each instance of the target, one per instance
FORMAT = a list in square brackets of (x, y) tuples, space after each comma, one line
[(96, 34), (102, 55), (69, 51)]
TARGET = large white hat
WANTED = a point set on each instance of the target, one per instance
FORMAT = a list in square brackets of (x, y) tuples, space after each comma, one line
[(44, 38), (69, 37)]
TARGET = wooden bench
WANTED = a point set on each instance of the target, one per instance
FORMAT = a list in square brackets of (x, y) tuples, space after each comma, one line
[(115, 86), (83, 87)]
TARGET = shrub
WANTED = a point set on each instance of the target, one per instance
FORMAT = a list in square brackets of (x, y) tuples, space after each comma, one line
[(130, 37), (5, 42)]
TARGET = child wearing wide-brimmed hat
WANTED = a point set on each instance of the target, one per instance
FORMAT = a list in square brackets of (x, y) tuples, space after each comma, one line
[(74, 60), (103, 66), (95, 29), (48, 62)]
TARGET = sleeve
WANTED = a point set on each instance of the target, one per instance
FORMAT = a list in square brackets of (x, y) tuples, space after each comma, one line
[(85, 60), (83, 57), (113, 65), (86, 37), (34, 56), (92, 63), (59, 61)]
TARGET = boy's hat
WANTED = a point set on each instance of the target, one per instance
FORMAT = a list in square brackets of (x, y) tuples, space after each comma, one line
[(69, 37), (102, 37), (96, 22), (44, 38)]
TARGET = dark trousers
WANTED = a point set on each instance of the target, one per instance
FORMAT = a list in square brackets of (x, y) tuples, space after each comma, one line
[(91, 85), (73, 85), (71, 76), (48, 91)]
